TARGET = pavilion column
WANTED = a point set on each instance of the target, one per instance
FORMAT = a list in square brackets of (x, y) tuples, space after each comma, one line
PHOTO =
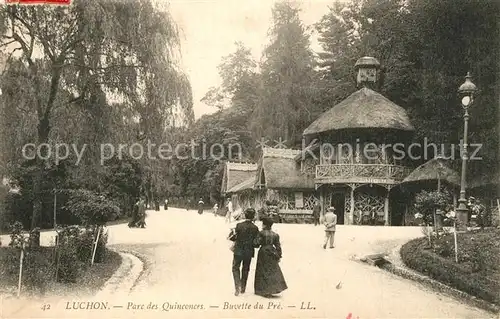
[(386, 208), (351, 212), (322, 201)]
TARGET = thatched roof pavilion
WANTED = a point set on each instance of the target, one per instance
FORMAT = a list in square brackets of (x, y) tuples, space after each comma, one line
[(236, 173), (364, 108), (247, 184), (436, 168), (277, 169)]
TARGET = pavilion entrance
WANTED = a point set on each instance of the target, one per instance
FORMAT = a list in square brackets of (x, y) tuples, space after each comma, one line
[(337, 200)]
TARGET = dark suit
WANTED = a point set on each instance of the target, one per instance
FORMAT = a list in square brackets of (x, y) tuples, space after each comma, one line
[(244, 251)]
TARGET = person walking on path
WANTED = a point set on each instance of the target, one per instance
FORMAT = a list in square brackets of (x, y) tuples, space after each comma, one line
[(269, 279), (330, 222), (200, 206), (141, 204), (229, 211), (166, 204), (135, 216), (215, 209), (244, 237), (316, 213)]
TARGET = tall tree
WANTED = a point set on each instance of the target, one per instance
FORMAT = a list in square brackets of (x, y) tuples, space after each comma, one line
[(238, 73), (91, 50), (284, 109)]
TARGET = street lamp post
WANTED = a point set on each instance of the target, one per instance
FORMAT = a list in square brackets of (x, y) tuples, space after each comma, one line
[(467, 91)]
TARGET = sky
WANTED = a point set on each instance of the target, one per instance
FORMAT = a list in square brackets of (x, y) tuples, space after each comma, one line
[(209, 29)]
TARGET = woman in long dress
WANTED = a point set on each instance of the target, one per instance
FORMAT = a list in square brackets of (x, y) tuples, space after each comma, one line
[(269, 279)]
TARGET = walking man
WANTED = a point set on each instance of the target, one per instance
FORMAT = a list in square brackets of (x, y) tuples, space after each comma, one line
[(330, 223), (316, 213), (229, 211), (245, 234)]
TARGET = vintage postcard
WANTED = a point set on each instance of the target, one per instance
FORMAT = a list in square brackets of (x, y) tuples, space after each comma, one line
[(249, 159)]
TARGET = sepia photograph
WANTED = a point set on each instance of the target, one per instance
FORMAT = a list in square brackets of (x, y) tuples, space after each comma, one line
[(195, 159)]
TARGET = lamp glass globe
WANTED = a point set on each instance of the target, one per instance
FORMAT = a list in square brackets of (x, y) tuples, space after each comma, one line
[(466, 100)]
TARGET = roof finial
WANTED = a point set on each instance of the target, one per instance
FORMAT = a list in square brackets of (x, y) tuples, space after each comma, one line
[(368, 72)]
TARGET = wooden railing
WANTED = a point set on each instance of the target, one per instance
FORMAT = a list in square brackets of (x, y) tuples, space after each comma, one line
[(361, 173)]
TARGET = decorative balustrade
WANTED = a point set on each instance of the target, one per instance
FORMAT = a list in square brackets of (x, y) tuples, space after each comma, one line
[(361, 173)]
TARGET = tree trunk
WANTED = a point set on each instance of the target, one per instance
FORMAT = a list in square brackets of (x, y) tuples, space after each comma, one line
[(43, 137), (43, 134)]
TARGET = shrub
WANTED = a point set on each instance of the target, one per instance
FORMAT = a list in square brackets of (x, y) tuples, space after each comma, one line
[(91, 208), (34, 237), (67, 262), (426, 204), (38, 268), (74, 250), (5, 215), (85, 245), (100, 253), (16, 235), (18, 207)]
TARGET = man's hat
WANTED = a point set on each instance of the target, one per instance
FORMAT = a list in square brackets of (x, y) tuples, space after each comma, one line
[(331, 209)]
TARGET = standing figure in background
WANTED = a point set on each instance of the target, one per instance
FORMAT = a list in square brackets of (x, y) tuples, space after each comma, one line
[(134, 219), (141, 205), (200, 206), (188, 205), (229, 211), (316, 213), (166, 204), (216, 208), (330, 223)]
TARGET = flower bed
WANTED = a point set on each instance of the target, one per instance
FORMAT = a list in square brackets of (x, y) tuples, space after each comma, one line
[(477, 271)]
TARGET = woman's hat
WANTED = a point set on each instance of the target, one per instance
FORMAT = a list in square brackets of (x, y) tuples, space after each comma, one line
[(331, 209)]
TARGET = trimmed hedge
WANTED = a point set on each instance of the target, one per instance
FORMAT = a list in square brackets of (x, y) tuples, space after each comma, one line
[(479, 281)]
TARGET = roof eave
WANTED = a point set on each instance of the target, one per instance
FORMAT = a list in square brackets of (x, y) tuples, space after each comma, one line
[(310, 133)]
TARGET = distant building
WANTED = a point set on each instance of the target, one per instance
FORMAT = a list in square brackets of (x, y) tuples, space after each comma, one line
[(235, 174)]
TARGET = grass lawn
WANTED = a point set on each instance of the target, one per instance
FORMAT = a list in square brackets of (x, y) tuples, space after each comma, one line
[(39, 268), (477, 271)]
